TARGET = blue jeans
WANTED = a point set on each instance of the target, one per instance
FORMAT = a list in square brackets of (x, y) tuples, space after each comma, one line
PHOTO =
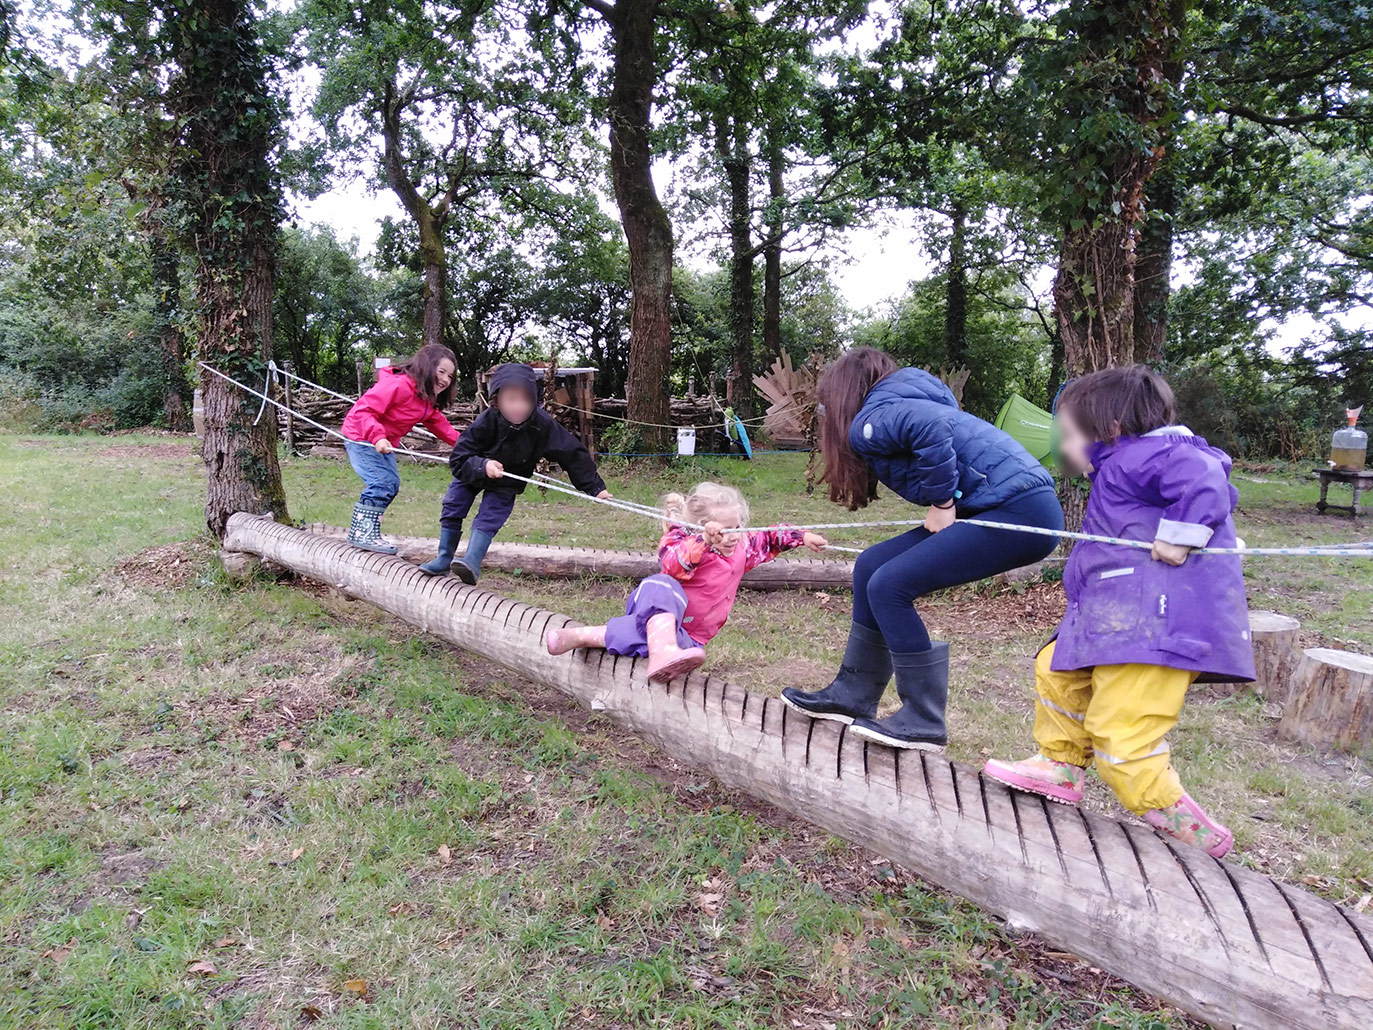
[(495, 508), (380, 476), (888, 577)]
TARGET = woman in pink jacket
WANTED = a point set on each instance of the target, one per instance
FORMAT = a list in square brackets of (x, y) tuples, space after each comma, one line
[(412, 393), (671, 616)]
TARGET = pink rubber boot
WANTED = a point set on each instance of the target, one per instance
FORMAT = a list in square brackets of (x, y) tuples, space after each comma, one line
[(561, 641), (1186, 821), (666, 660), (1057, 781)]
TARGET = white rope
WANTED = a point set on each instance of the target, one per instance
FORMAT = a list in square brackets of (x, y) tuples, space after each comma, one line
[(635, 508)]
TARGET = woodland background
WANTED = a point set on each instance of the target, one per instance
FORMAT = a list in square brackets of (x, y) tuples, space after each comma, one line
[(1158, 180)]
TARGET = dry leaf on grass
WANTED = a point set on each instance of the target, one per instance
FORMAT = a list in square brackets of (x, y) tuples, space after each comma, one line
[(709, 902), (202, 966), (225, 942), (59, 953), (357, 986), (285, 745), (400, 908), (445, 856), (604, 921), (310, 1013)]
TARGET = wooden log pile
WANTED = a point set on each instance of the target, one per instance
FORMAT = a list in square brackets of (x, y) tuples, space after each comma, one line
[(1227, 944), (330, 411), (686, 411)]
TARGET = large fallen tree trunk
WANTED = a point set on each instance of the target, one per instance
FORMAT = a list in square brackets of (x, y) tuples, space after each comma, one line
[(571, 562), (1226, 944)]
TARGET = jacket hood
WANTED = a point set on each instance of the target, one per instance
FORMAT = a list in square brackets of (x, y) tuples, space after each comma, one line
[(1164, 436), (516, 375)]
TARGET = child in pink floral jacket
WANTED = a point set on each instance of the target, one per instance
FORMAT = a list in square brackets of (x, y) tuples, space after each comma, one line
[(671, 616)]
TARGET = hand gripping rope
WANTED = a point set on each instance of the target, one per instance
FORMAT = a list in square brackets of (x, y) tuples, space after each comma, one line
[(1363, 549)]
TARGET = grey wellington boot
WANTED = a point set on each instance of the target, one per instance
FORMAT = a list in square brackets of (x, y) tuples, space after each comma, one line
[(922, 681), (854, 694), (365, 529), (469, 569), (448, 546)]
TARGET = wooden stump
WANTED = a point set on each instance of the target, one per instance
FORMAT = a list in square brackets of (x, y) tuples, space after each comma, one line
[(1277, 650), (1331, 702), (239, 564)]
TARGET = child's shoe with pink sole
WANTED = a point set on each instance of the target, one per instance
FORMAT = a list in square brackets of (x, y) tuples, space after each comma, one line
[(1187, 821), (1057, 781)]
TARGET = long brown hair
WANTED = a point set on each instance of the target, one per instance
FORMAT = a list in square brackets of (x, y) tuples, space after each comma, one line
[(840, 394), (1118, 402), (423, 366)]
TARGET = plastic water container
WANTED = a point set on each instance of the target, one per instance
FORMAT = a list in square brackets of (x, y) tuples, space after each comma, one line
[(198, 413), (1349, 446)]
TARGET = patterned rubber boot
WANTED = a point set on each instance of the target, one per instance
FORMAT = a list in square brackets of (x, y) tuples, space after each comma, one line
[(666, 660), (469, 569), (1186, 821), (443, 561), (1057, 781), (569, 638), (364, 530)]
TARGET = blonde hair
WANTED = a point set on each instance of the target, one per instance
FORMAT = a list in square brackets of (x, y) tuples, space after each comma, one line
[(703, 504)]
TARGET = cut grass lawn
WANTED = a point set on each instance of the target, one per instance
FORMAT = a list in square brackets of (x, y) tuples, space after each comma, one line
[(268, 806)]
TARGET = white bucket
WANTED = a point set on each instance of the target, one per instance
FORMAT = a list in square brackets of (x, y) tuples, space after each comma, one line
[(686, 441), (198, 413)]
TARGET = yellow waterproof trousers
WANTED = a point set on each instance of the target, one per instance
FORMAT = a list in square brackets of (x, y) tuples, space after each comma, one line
[(1118, 715)]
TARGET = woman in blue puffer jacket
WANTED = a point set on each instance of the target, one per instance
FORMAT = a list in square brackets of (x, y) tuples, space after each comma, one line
[(903, 428)]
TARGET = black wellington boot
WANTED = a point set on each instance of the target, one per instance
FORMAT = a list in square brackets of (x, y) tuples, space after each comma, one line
[(922, 681), (854, 694)]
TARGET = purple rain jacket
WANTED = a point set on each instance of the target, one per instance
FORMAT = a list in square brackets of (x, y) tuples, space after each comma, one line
[(1123, 606)]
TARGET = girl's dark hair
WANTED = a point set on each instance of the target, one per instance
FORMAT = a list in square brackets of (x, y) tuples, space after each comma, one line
[(1118, 402), (422, 367), (840, 394)]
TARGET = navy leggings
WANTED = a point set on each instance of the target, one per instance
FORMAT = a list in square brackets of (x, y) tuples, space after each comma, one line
[(888, 577)]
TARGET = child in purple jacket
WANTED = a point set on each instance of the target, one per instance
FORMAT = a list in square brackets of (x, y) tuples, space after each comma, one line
[(1141, 627)]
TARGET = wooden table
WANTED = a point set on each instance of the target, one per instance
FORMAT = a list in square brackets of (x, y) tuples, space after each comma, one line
[(1358, 482)]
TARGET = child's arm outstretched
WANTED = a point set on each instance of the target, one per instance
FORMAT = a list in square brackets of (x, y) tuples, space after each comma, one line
[(437, 423), (766, 544), (1194, 490), (572, 455)]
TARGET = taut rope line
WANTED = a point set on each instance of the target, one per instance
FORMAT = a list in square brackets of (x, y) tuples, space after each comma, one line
[(635, 508)]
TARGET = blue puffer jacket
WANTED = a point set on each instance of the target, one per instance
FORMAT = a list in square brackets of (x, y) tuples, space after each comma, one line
[(921, 445)]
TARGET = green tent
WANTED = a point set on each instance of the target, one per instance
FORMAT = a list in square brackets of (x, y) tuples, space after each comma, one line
[(1030, 425)]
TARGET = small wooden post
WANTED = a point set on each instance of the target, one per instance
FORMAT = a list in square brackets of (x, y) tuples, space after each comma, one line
[(290, 417), (362, 366), (1331, 703), (1277, 651)]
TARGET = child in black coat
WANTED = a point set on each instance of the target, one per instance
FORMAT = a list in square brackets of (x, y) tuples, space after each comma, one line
[(510, 436)]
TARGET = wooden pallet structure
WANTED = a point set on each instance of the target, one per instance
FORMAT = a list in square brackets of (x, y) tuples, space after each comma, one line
[(1224, 943), (791, 401)]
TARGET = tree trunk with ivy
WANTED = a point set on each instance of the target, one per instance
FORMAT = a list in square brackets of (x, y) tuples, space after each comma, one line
[(225, 180), (732, 145), (648, 231), (1094, 290), (772, 249)]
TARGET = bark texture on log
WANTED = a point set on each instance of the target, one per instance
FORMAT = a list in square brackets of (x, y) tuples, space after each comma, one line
[(1224, 943), (1277, 649), (1331, 701), (571, 562)]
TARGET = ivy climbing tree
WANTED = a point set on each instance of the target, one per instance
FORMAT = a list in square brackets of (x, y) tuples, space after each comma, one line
[(225, 189)]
